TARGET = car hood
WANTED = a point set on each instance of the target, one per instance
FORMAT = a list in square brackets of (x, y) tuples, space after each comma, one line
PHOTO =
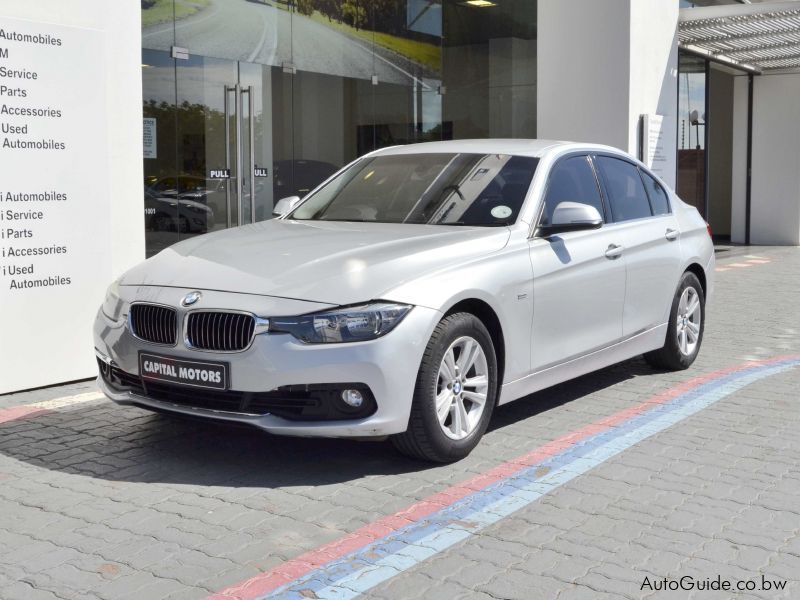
[(329, 262)]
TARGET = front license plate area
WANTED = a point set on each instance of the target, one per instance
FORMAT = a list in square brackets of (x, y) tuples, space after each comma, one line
[(193, 373)]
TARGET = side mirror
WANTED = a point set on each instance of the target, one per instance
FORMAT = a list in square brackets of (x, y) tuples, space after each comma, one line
[(572, 216), (285, 205)]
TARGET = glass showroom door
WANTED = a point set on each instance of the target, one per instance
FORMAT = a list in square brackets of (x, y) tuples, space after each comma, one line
[(161, 219), (224, 145)]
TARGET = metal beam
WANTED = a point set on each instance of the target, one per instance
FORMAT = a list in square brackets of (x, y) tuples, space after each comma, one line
[(705, 13), (764, 48), (733, 20), (722, 36), (767, 59), (766, 62), (751, 37), (720, 58)]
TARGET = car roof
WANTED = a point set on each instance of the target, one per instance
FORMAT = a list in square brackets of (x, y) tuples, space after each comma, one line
[(522, 147)]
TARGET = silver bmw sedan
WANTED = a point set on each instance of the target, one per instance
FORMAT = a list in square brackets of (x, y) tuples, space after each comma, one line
[(412, 292)]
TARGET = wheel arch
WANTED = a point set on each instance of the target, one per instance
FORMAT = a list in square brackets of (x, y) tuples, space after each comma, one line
[(487, 315), (700, 273)]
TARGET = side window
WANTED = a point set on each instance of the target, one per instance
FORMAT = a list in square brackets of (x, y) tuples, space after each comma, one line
[(658, 197), (571, 180), (626, 192)]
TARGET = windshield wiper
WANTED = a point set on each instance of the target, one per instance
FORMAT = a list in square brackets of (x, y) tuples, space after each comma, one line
[(452, 187), (463, 224), (445, 213), (347, 220)]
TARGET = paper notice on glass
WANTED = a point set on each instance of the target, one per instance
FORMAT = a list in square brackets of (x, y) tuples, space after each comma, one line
[(654, 153), (150, 138)]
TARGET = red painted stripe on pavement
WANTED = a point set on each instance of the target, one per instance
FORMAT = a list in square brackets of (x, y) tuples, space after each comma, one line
[(20, 412), (297, 567), (25, 411)]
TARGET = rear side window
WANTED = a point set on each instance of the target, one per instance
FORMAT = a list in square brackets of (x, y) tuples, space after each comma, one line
[(571, 180), (658, 197), (626, 192)]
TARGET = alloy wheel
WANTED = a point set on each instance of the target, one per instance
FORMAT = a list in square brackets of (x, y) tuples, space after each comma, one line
[(462, 388), (688, 320)]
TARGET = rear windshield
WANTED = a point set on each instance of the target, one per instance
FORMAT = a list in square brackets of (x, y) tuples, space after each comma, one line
[(437, 189)]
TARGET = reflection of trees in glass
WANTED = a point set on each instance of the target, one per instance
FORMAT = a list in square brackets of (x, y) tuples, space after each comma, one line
[(466, 26), (195, 123), (387, 16), (164, 164), (383, 23), (166, 11)]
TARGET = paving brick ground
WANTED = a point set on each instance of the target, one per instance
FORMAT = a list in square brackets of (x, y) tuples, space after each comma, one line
[(99, 501)]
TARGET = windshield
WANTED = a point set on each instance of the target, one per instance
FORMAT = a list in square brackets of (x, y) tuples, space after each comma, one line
[(438, 189)]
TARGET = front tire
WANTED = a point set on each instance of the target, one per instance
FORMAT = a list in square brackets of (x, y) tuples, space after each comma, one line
[(455, 392), (685, 328)]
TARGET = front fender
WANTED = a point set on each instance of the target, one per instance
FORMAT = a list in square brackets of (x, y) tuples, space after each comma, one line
[(502, 280)]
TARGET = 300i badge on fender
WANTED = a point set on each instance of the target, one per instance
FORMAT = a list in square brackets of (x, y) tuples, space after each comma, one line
[(211, 375)]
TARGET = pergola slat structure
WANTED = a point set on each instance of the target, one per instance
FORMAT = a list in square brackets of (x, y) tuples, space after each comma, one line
[(755, 37)]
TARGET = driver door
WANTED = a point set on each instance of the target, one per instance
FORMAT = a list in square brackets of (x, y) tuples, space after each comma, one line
[(578, 276)]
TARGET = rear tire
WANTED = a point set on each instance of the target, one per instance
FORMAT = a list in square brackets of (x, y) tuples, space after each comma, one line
[(455, 392), (685, 327)]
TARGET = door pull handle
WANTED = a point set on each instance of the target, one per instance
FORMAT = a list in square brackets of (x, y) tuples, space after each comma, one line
[(614, 251), (672, 234)]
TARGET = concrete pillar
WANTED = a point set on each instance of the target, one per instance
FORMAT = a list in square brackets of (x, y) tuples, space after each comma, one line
[(603, 64), (775, 194)]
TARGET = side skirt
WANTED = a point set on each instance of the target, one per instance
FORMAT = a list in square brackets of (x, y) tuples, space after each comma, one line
[(646, 341)]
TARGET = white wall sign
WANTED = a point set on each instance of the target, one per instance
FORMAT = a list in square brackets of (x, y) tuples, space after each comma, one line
[(150, 139), (653, 148), (54, 200)]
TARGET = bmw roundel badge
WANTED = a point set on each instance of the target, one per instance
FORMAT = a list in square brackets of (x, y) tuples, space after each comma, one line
[(191, 298)]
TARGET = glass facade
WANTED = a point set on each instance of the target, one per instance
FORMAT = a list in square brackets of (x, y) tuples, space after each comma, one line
[(691, 182), (249, 101)]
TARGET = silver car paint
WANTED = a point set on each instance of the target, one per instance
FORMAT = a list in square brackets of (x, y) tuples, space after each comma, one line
[(277, 360), (329, 262), (562, 306)]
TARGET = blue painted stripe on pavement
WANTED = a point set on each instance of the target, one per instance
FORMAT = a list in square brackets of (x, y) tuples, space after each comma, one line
[(387, 557)]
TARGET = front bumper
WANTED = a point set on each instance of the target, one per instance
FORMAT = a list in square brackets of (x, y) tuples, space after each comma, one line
[(388, 366)]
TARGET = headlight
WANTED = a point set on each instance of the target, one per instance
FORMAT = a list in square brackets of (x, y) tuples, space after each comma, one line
[(112, 305), (351, 324)]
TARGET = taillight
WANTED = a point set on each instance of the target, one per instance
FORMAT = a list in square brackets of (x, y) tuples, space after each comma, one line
[(708, 227)]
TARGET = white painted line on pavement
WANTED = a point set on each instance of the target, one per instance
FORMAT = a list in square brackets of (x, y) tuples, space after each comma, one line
[(67, 401), (21, 411)]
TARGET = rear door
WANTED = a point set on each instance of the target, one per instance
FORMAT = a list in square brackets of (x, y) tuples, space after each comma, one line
[(650, 235), (579, 276)]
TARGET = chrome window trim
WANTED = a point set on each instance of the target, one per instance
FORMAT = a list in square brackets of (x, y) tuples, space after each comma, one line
[(643, 170), (632, 222), (533, 230), (639, 167), (261, 325), (129, 325)]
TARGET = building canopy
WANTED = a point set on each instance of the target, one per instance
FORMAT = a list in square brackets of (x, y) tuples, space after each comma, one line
[(755, 37)]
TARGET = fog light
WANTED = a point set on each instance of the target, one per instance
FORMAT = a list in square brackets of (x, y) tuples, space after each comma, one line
[(353, 398)]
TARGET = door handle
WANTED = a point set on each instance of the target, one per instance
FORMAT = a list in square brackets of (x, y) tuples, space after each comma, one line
[(614, 251), (672, 234), (252, 151), (228, 115)]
